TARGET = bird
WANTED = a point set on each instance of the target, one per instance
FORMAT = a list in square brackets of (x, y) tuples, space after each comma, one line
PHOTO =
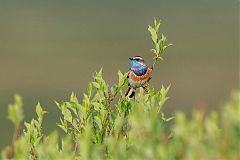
[(138, 76)]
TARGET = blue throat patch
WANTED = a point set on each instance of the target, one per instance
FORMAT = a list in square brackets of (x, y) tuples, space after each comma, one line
[(136, 63)]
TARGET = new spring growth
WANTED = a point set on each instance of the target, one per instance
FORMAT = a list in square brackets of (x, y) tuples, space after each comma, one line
[(159, 43)]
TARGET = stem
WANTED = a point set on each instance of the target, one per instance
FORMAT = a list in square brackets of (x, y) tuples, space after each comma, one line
[(16, 133), (106, 117), (154, 62), (75, 144), (75, 133), (116, 93), (33, 153)]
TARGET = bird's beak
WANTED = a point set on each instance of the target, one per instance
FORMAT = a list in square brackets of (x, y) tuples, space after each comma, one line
[(131, 58)]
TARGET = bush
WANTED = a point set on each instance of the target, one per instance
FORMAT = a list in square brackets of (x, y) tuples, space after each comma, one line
[(108, 125)]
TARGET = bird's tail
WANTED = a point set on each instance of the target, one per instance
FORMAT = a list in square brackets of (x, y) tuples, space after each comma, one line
[(132, 94)]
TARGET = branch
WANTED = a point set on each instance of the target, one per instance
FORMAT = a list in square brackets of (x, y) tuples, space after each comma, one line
[(154, 62), (10, 152), (33, 154), (160, 44), (106, 116)]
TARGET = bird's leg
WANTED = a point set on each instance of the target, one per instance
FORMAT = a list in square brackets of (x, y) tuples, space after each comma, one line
[(145, 88), (132, 94), (129, 88), (149, 79)]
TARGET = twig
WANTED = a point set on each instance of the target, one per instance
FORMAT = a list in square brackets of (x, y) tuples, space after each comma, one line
[(154, 62), (75, 145), (76, 131), (116, 93), (106, 117), (10, 152), (33, 154)]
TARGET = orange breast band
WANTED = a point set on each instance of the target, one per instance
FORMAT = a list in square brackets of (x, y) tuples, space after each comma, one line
[(144, 77)]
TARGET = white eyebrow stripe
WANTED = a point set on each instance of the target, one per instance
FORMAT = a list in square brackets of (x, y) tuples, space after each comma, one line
[(138, 58)]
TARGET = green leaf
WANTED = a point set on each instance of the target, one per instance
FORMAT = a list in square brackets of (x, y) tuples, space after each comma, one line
[(89, 90), (39, 110), (73, 98), (58, 105), (153, 34), (96, 85), (97, 106), (15, 111), (62, 127), (86, 99), (67, 114), (98, 121), (73, 107), (169, 119), (157, 24), (120, 77), (82, 112)]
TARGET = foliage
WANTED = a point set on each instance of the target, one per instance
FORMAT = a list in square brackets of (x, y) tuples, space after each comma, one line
[(108, 125), (15, 111), (159, 44)]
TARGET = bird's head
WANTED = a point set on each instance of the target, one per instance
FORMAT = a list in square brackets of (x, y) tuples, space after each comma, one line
[(137, 61)]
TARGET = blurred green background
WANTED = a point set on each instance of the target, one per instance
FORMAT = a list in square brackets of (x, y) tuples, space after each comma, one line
[(50, 48)]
